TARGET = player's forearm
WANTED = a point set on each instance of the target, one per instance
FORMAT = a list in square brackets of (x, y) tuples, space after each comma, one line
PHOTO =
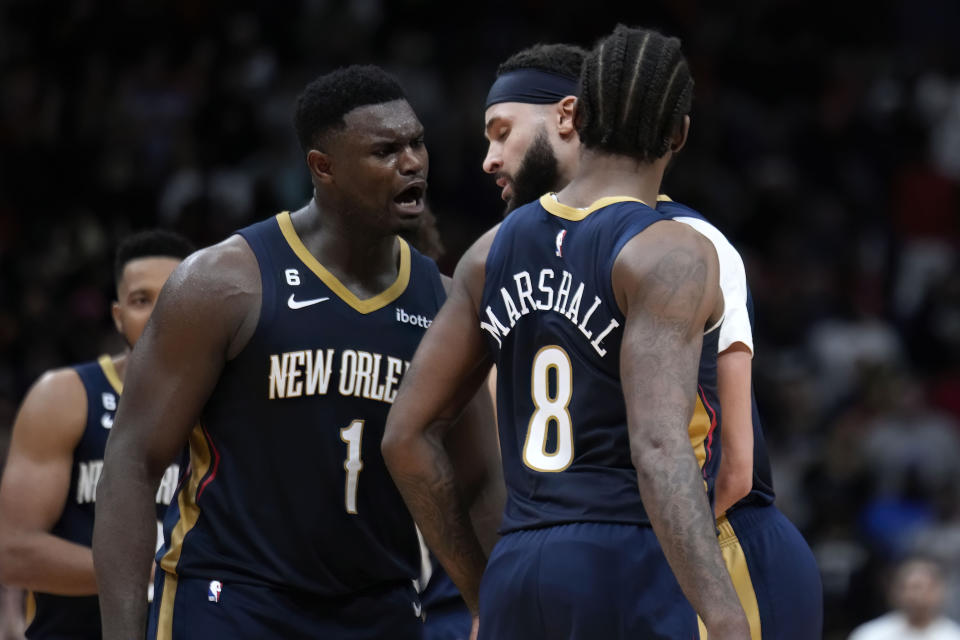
[(40, 561), (672, 492), (124, 540), (422, 471), (734, 481), (486, 511)]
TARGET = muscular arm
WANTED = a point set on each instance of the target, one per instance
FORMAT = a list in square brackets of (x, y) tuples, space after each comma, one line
[(664, 280), (474, 451), (34, 489), (201, 319), (735, 476), (448, 369)]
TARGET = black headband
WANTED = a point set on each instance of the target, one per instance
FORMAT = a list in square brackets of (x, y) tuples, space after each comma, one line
[(531, 86)]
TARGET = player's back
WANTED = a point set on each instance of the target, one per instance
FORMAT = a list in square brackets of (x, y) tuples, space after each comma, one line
[(288, 488), (554, 328)]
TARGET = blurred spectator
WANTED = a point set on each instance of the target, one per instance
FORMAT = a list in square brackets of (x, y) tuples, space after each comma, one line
[(916, 595)]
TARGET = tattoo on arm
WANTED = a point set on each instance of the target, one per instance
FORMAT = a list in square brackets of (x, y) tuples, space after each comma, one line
[(433, 499), (659, 366)]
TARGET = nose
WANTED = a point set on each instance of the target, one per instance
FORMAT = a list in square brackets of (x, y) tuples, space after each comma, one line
[(413, 161), (493, 162)]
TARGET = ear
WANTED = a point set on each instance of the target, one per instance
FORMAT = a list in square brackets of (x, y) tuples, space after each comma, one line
[(680, 135), (117, 321), (566, 109), (320, 165), (577, 115)]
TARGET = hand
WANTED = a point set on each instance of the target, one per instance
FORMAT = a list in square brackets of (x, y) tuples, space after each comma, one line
[(475, 628)]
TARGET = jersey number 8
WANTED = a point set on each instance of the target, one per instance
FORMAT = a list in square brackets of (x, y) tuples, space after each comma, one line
[(550, 408)]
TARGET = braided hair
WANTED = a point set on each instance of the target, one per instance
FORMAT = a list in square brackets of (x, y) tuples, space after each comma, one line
[(635, 89)]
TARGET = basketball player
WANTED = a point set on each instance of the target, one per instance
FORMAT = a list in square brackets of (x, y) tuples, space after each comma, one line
[(575, 298), (533, 148), (284, 345), (49, 486)]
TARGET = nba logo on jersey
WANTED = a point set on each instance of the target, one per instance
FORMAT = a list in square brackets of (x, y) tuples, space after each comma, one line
[(213, 593), (560, 237)]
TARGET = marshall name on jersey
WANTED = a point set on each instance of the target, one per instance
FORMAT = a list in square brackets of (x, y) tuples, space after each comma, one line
[(552, 295)]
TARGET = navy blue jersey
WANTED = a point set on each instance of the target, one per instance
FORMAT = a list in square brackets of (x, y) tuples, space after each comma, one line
[(79, 617), (762, 491), (554, 330), (288, 488)]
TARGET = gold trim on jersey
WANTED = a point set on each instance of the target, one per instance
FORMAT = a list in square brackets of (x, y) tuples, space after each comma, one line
[(664, 198), (30, 608), (699, 429), (549, 202), (187, 501), (736, 563), (165, 615), (110, 371), (368, 305)]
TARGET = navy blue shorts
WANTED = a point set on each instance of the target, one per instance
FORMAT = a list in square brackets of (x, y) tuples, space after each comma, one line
[(448, 621), (199, 608), (774, 572), (583, 581)]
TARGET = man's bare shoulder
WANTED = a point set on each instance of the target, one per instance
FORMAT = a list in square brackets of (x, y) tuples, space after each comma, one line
[(471, 270), (225, 272), (216, 289), (54, 410), (476, 255), (667, 258)]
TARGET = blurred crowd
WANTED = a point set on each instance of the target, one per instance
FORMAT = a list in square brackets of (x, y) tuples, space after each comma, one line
[(825, 143)]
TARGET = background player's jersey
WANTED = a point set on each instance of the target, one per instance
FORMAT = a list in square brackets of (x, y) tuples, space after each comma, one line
[(554, 329), (79, 616), (288, 488), (738, 323)]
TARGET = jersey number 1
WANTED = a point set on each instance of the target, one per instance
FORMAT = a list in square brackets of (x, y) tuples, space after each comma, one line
[(352, 465), (550, 408)]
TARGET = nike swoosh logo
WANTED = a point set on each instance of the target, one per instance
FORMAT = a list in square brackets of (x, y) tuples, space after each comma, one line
[(300, 304)]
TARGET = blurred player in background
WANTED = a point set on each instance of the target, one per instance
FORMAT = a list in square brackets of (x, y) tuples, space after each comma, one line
[(560, 285), (533, 148), (49, 486), (276, 355)]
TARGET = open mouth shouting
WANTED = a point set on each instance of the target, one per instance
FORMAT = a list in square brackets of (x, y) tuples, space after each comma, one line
[(409, 202)]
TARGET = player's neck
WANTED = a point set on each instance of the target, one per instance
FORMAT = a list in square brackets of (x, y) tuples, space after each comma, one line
[(367, 259), (600, 175)]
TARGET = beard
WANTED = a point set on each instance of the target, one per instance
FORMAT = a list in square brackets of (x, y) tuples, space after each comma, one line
[(538, 174)]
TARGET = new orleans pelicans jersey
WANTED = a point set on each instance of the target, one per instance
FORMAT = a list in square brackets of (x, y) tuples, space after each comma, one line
[(737, 327), (288, 489), (49, 615), (554, 329)]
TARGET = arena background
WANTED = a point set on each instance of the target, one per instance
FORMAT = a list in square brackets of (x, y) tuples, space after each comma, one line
[(825, 143)]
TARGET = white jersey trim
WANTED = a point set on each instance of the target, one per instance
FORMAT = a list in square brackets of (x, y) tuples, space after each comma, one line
[(733, 286)]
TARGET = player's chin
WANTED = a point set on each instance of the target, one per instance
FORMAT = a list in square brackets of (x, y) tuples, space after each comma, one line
[(407, 215)]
